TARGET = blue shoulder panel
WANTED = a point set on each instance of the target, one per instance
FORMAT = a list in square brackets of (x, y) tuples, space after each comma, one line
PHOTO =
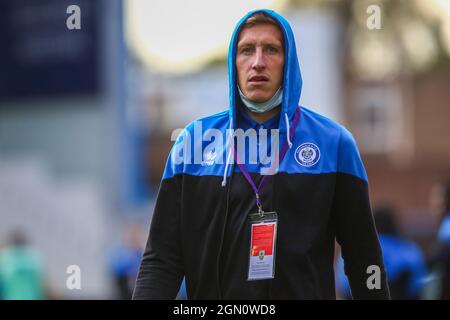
[(320, 146)]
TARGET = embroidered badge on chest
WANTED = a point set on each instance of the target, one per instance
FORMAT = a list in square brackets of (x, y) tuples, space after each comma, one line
[(307, 154), (209, 158)]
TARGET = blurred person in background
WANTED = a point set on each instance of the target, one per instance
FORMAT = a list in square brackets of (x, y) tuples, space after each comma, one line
[(125, 261), (440, 258), (404, 260), (21, 270), (206, 214)]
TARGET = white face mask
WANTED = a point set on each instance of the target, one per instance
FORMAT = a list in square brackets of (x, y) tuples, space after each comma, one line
[(261, 107)]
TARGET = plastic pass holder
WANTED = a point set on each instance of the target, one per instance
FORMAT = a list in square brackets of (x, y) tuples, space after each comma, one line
[(262, 245)]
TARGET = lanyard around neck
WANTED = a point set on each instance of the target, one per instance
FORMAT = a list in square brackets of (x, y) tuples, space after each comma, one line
[(266, 178)]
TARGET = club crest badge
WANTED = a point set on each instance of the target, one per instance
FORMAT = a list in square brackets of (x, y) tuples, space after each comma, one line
[(307, 154), (209, 158), (261, 254)]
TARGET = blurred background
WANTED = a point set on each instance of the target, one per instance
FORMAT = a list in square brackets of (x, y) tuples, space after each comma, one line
[(87, 115)]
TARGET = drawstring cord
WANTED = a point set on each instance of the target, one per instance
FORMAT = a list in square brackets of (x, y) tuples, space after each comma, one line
[(288, 130), (227, 163)]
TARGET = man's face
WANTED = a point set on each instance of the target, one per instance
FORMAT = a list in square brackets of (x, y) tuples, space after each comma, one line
[(260, 61)]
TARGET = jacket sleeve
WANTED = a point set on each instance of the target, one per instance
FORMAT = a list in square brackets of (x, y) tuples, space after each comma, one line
[(355, 227), (161, 269)]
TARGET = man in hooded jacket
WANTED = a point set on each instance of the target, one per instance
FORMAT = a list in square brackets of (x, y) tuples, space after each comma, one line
[(238, 229)]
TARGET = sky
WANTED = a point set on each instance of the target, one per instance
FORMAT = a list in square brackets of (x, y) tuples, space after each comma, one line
[(178, 35)]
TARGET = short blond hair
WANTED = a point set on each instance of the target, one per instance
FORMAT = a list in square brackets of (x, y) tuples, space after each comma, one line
[(259, 18)]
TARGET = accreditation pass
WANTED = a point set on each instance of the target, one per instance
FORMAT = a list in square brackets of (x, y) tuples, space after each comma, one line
[(262, 245)]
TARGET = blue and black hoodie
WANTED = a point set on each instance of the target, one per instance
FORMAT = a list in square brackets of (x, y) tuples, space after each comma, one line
[(200, 227)]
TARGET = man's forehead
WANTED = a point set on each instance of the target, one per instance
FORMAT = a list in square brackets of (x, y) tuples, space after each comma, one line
[(261, 33)]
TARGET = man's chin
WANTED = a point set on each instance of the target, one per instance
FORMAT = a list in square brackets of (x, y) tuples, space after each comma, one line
[(257, 98)]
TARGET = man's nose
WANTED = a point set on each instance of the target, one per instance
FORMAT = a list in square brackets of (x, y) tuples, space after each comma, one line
[(258, 62)]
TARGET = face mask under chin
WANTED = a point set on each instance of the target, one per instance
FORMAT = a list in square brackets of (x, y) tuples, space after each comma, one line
[(261, 107)]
